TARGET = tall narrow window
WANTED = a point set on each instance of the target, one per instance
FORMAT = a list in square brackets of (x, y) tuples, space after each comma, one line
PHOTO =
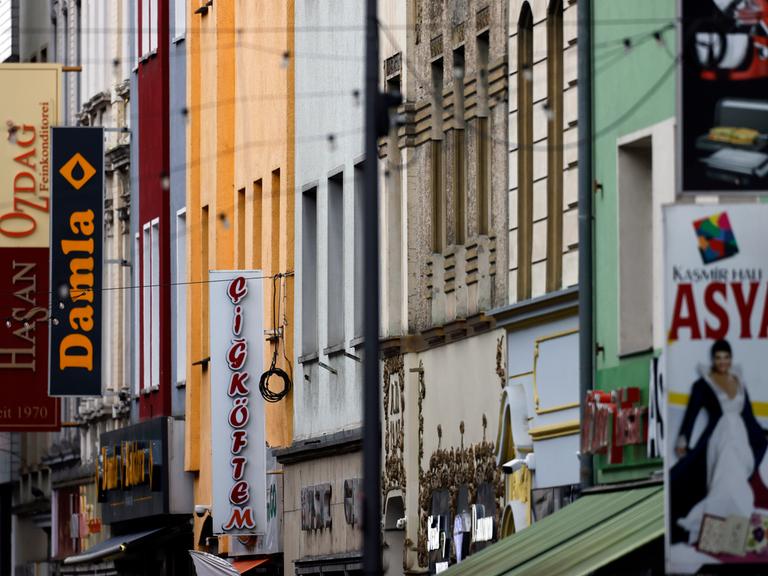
[(144, 20), (256, 218), (309, 272), (240, 229), (555, 145), (393, 233), (181, 297), (180, 18), (137, 321), (438, 204), (483, 136), (146, 306), (359, 261), (336, 259), (153, 25), (155, 303), (524, 151), (111, 332), (204, 268), (275, 221), (459, 145)]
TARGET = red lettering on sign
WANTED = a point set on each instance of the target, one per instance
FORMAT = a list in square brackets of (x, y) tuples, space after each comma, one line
[(240, 518), (237, 354), (238, 495)]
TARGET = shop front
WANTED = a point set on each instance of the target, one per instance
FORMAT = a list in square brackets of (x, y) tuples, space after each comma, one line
[(145, 499)]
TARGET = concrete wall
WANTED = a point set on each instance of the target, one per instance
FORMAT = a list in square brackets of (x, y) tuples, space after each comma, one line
[(458, 411), (329, 69), (442, 284), (340, 537)]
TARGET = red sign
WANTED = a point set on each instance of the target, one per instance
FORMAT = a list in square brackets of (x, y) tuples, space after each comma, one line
[(24, 316), (613, 420)]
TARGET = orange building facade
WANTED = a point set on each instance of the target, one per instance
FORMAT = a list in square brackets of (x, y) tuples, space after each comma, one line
[(240, 211)]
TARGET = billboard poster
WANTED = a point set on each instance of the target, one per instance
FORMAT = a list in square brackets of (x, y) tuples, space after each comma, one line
[(238, 436), (723, 96), (716, 317), (77, 229), (30, 104)]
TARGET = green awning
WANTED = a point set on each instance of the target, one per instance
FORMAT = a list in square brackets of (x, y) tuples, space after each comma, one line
[(592, 532)]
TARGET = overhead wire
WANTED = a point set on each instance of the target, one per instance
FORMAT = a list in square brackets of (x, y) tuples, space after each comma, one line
[(635, 41)]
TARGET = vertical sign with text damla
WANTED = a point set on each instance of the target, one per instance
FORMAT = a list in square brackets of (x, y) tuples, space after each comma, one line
[(238, 437), (716, 323), (29, 106), (77, 175)]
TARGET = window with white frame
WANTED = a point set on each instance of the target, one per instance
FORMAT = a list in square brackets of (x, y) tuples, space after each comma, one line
[(155, 303), (181, 296), (146, 308), (153, 25), (136, 324), (180, 19), (147, 18)]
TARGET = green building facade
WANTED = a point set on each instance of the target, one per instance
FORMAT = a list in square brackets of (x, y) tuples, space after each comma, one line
[(634, 69)]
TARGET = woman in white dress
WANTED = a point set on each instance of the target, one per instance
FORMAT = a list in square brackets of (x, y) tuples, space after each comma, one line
[(714, 471)]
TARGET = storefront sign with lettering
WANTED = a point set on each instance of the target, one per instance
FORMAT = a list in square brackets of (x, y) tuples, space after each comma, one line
[(237, 408)]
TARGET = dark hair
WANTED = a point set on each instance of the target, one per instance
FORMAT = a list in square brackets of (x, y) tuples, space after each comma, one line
[(721, 346)]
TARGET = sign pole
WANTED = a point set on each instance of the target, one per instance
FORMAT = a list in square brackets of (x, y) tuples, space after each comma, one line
[(371, 417)]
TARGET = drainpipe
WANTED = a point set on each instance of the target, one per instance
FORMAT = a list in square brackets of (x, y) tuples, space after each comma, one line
[(586, 337)]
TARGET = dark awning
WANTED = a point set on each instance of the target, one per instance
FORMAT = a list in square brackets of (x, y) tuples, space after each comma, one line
[(112, 547)]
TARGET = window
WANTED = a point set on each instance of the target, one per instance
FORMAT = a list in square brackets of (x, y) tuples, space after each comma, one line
[(143, 16), (109, 328), (181, 296), (392, 234), (275, 221), (146, 306), (137, 375), (155, 302), (153, 25), (635, 176), (524, 151), (335, 259), (180, 19), (204, 268), (483, 136), (438, 204), (309, 272), (257, 211), (459, 145), (359, 251), (555, 146), (240, 202), (148, 20)]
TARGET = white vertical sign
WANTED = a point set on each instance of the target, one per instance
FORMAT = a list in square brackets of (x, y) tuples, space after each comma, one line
[(238, 443)]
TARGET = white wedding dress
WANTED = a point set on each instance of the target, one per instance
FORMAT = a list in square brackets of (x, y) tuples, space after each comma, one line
[(730, 464)]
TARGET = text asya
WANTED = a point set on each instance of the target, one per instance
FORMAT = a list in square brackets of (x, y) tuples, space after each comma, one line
[(709, 318)]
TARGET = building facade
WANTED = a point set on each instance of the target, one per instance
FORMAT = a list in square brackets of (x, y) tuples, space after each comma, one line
[(324, 460), (540, 406), (444, 223), (90, 35), (239, 216), (635, 172)]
